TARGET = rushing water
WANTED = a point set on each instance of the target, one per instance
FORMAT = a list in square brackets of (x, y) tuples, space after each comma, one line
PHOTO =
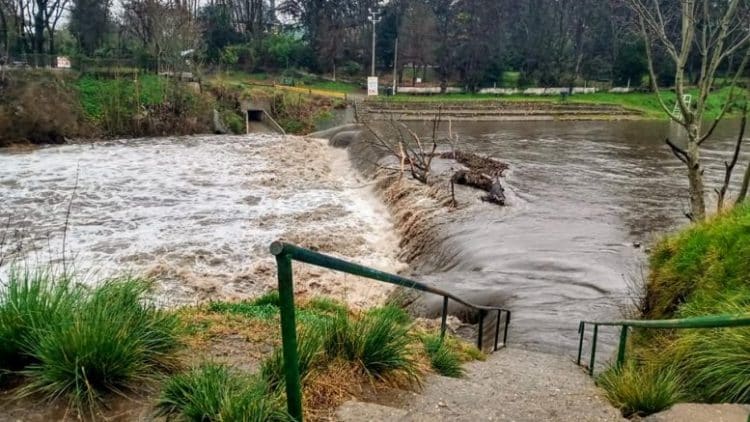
[(197, 213), (585, 201)]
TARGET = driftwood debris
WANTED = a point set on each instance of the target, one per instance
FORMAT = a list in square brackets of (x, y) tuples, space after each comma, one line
[(485, 165), (475, 179)]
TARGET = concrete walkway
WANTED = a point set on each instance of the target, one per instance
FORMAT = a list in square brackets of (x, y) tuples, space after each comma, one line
[(512, 385)]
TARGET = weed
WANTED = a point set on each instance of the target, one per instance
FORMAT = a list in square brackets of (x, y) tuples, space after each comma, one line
[(114, 340), (443, 359), (641, 390), (212, 392)]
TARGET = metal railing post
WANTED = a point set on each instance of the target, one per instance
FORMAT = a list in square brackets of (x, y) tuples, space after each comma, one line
[(581, 333), (289, 337), (444, 320), (622, 346), (497, 330), (507, 323), (593, 349), (481, 329)]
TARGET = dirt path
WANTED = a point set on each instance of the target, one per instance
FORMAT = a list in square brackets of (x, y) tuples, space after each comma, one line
[(512, 385)]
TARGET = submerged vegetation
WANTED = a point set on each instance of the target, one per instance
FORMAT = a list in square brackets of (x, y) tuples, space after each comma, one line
[(703, 270)]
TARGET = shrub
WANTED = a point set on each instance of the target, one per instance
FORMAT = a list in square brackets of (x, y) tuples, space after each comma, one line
[(641, 390), (234, 121), (443, 359), (113, 340), (212, 392), (716, 361), (309, 348), (30, 302), (379, 341)]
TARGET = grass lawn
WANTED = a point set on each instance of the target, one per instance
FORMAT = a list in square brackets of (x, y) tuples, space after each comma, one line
[(647, 103)]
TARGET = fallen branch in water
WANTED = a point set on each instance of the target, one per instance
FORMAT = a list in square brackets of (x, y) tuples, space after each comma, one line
[(476, 162), (475, 179)]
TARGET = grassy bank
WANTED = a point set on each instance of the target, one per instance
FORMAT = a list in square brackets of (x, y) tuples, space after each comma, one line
[(296, 112), (47, 107), (646, 103), (702, 270), (105, 350)]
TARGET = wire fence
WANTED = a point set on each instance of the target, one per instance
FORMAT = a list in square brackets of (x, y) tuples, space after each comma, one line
[(93, 65)]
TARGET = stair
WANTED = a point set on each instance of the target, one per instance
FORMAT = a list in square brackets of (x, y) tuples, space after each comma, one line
[(512, 385)]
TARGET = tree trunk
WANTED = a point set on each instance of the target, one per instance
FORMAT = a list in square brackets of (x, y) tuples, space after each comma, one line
[(695, 175), (39, 32), (745, 185)]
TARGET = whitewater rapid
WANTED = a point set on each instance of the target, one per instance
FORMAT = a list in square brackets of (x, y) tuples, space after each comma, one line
[(196, 214)]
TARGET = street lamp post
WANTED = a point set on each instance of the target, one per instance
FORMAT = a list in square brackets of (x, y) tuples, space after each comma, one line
[(374, 18)]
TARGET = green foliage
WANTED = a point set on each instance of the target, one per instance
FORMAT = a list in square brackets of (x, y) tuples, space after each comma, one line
[(229, 56), (716, 361), (234, 121), (704, 263), (379, 340), (30, 302), (146, 105), (443, 359), (702, 270), (310, 353), (213, 392), (112, 339), (270, 298), (351, 68), (645, 102), (641, 390), (104, 99)]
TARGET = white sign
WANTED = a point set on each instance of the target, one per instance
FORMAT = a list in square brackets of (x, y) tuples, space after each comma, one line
[(372, 86), (63, 62), (419, 80)]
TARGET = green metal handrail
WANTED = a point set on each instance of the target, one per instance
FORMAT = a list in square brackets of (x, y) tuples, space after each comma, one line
[(286, 252), (711, 321)]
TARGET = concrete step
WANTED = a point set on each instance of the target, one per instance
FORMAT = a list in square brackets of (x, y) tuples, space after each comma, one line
[(512, 385), (697, 412)]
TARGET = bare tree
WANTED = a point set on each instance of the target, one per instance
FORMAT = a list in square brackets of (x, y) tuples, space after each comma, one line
[(682, 29)]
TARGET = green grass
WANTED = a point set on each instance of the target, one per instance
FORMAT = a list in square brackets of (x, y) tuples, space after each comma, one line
[(267, 307), (379, 342), (97, 94), (641, 390), (646, 103), (443, 359), (213, 392), (702, 270), (338, 86), (80, 344), (114, 339), (30, 302)]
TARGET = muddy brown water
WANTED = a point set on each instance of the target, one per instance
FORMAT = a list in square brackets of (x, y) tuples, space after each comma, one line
[(581, 195), (586, 199)]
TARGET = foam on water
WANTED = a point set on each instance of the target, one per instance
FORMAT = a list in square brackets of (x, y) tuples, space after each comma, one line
[(197, 213)]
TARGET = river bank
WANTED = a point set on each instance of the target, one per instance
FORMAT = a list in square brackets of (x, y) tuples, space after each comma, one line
[(54, 107), (192, 218)]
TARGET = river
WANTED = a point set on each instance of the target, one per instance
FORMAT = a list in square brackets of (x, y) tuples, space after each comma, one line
[(586, 199), (197, 213)]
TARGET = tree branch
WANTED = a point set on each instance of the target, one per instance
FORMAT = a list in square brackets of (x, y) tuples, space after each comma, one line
[(680, 153)]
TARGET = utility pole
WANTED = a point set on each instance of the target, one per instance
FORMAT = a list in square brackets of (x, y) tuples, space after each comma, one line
[(374, 18), (395, 67)]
